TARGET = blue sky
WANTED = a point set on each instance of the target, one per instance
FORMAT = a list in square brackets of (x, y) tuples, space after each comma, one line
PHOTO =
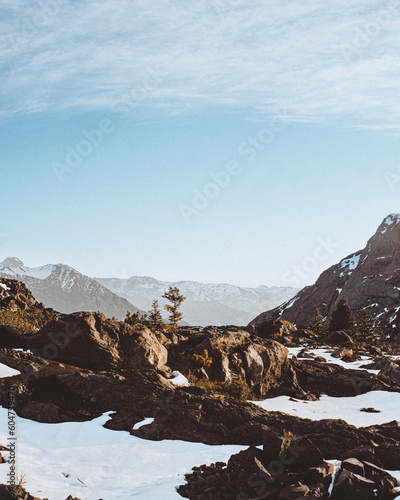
[(213, 140)]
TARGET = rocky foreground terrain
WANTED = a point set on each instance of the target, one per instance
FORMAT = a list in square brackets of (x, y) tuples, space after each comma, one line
[(77, 367)]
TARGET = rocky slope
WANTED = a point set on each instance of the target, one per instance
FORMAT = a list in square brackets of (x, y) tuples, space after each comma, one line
[(369, 278), (206, 303), (66, 290)]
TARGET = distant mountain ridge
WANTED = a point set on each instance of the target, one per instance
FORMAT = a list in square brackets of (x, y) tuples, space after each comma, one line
[(65, 289), (206, 303), (369, 278)]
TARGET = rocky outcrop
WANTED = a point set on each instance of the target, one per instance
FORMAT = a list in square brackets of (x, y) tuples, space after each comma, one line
[(274, 329), (92, 341), (287, 468), (14, 295), (316, 377), (368, 278), (231, 355)]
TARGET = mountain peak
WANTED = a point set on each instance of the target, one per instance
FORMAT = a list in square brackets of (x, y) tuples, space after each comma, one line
[(369, 278), (389, 223), (12, 262)]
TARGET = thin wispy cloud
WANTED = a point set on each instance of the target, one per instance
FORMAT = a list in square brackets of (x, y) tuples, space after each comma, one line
[(323, 62)]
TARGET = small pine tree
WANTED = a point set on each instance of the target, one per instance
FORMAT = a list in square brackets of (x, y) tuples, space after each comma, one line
[(155, 313), (366, 327), (319, 325), (176, 299), (133, 319), (342, 318)]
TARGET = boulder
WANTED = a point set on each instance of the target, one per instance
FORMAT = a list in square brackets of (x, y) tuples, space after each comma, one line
[(349, 486), (339, 338), (291, 453), (141, 350), (232, 355), (294, 491), (353, 465), (316, 378), (92, 341), (343, 352), (376, 474), (245, 471), (273, 329)]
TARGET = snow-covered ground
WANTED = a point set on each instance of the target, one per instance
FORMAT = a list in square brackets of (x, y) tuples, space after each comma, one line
[(6, 371), (112, 464), (326, 353), (348, 409)]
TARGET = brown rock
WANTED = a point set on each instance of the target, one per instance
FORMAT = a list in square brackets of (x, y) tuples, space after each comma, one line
[(291, 453), (246, 472), (349, 486), (15, 493), (353, 465), (294, 491), (92, 341)]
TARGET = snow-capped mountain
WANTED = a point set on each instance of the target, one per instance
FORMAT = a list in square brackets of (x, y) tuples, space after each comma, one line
[(369, 278), (206, 303), (65, 289)]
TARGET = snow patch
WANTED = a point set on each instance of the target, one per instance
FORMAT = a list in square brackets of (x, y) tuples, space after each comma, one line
[(327, 354), (6, 371), (179, 379), (114, 465), (348, 408), (348, 265), (146, 421), (389, 221)]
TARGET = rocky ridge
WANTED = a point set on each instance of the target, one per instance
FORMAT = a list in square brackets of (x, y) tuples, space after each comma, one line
[(369, 278)]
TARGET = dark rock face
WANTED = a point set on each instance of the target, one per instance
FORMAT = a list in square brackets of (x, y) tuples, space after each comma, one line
[(368, 278), (255, 474), (14, 295), (316, 378), (233, 355), (17, 493), (92, 341), (274, 328)]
